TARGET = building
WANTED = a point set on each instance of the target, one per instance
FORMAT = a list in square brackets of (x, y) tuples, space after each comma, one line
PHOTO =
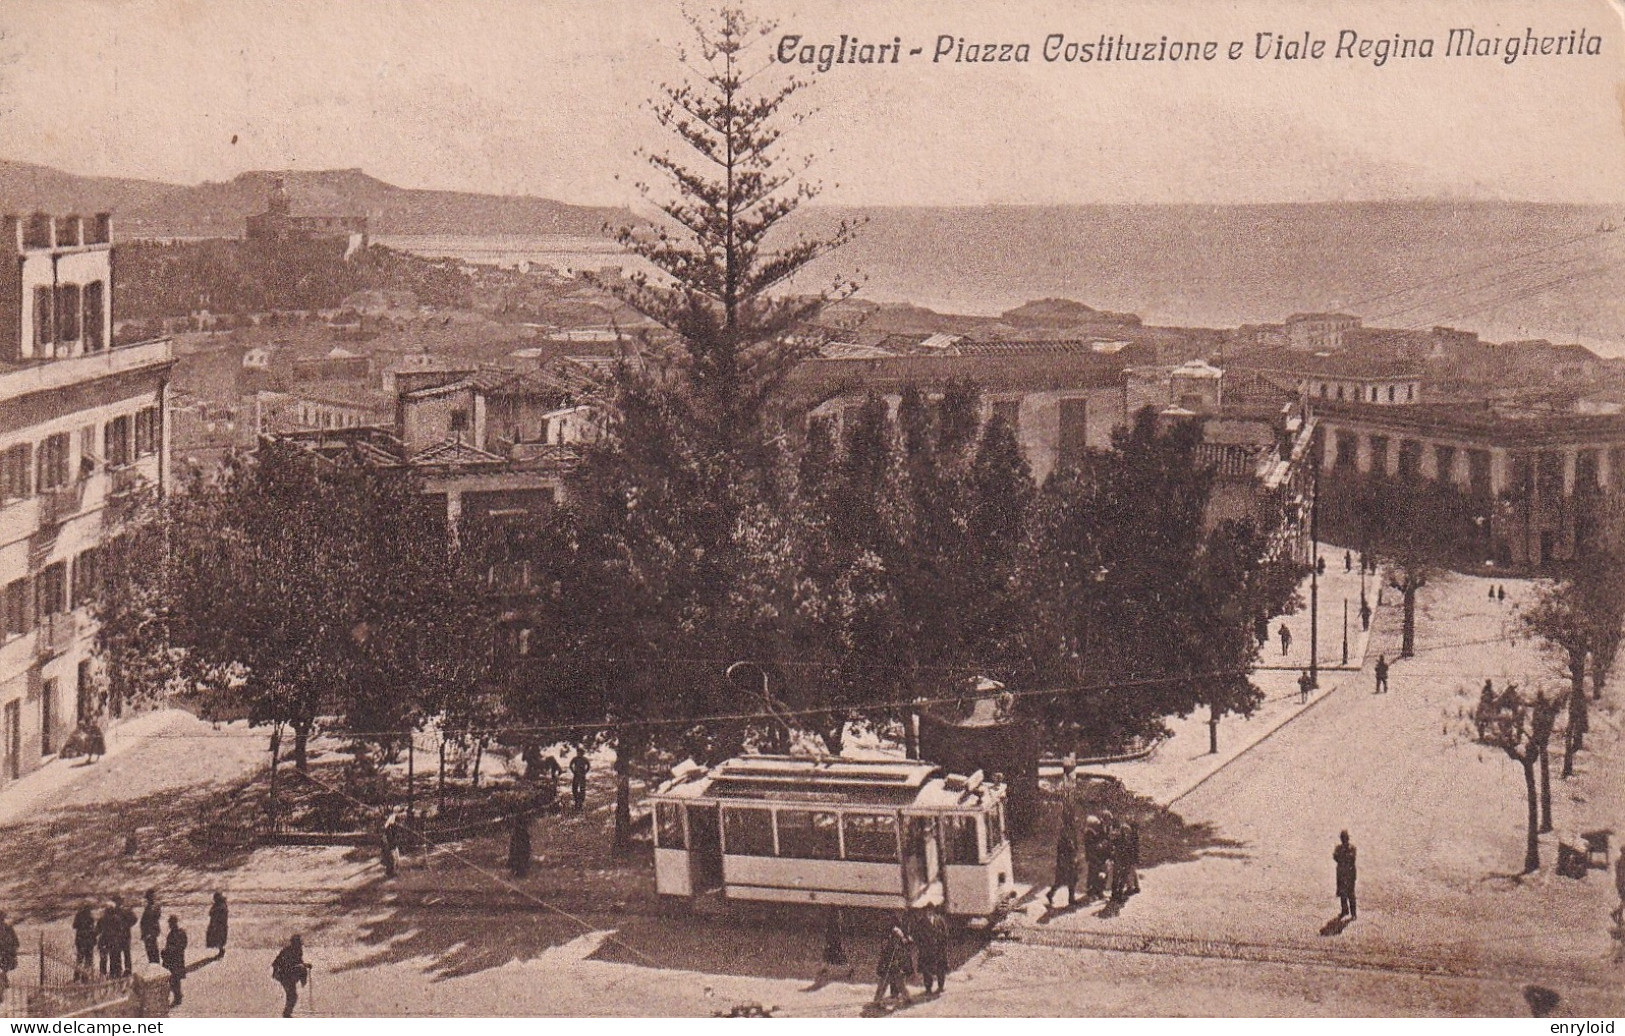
[(83, 431), (277, 225), (1334, 378), (1535, 488), (1317, 332), (1060, 398), (322, 406)]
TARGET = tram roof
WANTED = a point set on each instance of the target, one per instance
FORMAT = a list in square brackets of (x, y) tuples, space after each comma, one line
[(765, 778)]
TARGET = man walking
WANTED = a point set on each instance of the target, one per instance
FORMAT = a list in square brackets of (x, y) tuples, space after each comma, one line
[(84, 942), (1382, 675), (107, 940), (578, 778), (8, 954), (291, 972), (1348, 562), (1365, 613), (125, 937), (1286, 639), (174, 958), (1066, 867), (1304, 685), (896, 964), (933, 940), (1343, 856), (152, 926)]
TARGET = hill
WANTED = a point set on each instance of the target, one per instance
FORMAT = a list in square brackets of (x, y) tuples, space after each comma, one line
[(147, 208)]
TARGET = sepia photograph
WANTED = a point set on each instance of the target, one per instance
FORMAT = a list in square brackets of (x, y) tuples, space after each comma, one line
[(812, 509)]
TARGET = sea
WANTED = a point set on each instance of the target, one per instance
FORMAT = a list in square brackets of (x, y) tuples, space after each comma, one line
[(1509, 271)]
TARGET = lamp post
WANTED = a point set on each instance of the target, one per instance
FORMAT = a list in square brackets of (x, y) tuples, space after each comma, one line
[(1345, 631)]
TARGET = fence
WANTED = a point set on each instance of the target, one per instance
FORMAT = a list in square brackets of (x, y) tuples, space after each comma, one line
[(48, 983)]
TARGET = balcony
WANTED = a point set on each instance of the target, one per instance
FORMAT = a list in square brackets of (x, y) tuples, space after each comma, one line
[(55, 635), (45, 375), (60, 503)]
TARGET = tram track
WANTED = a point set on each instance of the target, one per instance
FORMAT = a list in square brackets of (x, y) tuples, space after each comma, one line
[(1294, 954)]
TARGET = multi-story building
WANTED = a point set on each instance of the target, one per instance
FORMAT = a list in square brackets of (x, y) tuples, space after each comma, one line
[(82, 431)]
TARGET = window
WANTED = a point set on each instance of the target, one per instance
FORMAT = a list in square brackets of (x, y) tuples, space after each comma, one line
[(747, 832), (1323, 390), (809, 835), (95, 317), (53, 461), (52, 589), (1339, 392), (1390, 393), (959, 839), (118, 442), (1410, 393), (15, 483), (17, 617), (149, 431), (44, 317), (669, 826), (85, 578), (68, 300), (871, 837)]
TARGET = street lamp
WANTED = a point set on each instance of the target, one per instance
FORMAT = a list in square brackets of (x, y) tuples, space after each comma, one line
[(1314, 576)]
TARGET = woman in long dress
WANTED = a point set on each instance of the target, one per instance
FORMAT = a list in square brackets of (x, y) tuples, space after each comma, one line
[(215, 937)]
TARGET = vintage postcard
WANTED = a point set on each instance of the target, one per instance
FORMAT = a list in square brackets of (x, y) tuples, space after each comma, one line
[(801, 508)]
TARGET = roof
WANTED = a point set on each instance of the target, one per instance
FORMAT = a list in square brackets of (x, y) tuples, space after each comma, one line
[(454, 451), (834, 781), (1338, 365), (348, 394)]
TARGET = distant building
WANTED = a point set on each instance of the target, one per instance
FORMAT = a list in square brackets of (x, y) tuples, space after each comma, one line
[(1314, 332), (1340, 378), (323, 406), (277, 225), (83, 431), (338, 364)]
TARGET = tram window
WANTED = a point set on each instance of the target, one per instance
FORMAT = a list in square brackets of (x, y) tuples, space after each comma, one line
[(809, 835), (669, 830), (995, 828), (747, 832), (871, 837), (959, 839)]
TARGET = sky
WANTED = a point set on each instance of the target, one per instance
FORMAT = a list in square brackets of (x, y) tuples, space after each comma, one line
[(548, 98)]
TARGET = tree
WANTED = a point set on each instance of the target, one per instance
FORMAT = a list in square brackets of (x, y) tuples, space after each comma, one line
[(1578, 617), (1522, 727), (659, 501), (1402, 530)]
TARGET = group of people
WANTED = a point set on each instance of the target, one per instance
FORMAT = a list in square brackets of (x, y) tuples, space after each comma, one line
[(1498, 593), (102, 942), (544, 769), (1110, 858), (87, 740), (916, 945)]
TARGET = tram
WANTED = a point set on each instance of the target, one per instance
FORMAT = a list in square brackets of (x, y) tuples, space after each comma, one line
[(839, 832)]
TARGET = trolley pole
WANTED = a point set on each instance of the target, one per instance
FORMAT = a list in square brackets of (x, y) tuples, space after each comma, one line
[(1314, 576)]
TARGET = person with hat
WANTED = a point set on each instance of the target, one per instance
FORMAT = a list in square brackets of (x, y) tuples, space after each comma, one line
[(290, 971), (152, 926), (174, 958)]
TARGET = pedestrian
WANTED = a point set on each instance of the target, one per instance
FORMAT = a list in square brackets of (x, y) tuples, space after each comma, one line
[(1261, 630), (1501, 593), (1365, 614), (896, 964), (8, 953), (550, 772), (1348, 562), (1305, 682), (933, 943), (152, 926), (174, 958), (214, 937), (1343, 856), (1066, 867), (578, 778), (84, 942), (96, 746), (107, 940), (1286, 639), (835, 956), (1492, 591), (1094, 885), (126, 937), (1320, 566), (1117, 850), (519, 846), (388, 838), (291, 972), (1382, 675), (1484, 714), (1619, 887)]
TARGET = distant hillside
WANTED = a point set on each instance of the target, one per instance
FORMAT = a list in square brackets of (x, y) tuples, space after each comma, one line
[(145, 208)]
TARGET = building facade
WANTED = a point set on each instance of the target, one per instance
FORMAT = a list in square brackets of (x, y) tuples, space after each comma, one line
[(83, 431)]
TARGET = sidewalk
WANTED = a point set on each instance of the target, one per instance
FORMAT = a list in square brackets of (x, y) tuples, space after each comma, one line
[(1182, 761), (47, 784)]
